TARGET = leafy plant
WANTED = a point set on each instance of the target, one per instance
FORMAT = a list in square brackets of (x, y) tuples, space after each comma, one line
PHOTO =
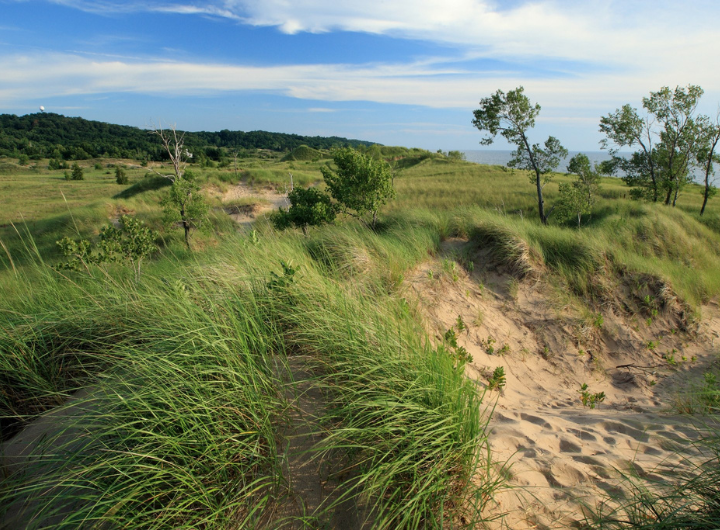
[(497, 380), (77, 172), (308, 207), (588, 399), (459, 353), (184, 205), (120, 176), (130, 244), (460, 324), (361, 184), (287, 278), (488, 345)]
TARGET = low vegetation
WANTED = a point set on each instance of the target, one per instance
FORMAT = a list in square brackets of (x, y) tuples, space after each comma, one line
[(165, 387)]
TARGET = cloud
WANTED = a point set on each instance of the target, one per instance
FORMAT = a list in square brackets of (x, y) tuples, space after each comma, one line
[(36, 76), (635, 37)]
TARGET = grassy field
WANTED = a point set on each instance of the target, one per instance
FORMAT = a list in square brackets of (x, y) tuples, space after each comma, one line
[(175, 386)]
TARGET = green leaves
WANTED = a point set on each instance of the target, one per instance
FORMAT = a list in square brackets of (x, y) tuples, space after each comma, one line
[(120, 176), (670, 138), (308, 207), (508, 114), (511, 115), (361, 184), (130, 244), (184, 204)]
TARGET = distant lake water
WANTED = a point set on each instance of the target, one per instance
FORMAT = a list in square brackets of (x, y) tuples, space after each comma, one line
[(501, 158)]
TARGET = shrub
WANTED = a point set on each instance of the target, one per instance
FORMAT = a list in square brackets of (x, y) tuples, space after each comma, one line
[(120, 176), (308, 207)]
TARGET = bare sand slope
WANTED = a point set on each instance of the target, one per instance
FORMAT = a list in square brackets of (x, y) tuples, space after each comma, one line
[(561, 453), (260, 201)]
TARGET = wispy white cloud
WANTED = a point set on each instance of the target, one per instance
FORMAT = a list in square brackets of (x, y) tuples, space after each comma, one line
[(44, 75), (641, 47), (640, 33)]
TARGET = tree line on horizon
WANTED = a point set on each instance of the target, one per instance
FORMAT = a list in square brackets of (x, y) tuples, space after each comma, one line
[(57, 137)]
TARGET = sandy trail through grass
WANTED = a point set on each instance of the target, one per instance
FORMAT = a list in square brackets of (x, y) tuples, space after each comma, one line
[(313, 486)]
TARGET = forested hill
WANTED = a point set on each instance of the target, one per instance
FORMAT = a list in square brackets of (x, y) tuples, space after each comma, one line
[(48, 135)]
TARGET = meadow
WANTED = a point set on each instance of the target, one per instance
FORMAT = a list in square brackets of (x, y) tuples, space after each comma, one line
[(169, 401)]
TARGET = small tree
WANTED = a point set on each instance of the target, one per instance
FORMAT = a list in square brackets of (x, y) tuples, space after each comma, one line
[(512, 115), (184, 205), (707, 154), (77, 172), (308, 207), (572, 203), (120, 176), (588, 177), (578, 198), (361, 184)]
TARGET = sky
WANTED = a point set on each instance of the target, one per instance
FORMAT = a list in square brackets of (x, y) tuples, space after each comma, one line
[(396, 72)]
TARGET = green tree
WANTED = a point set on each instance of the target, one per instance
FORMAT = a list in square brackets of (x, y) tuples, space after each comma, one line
[(360, 184), (707, 155), (572, 203), (184, 205), (588, 177), (120, 176), (667, 136), (456, 155), (308, 207), (512, 115), (77, 172), (23, 160)]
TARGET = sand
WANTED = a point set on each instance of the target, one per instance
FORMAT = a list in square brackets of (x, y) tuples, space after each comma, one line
[(559, 455)]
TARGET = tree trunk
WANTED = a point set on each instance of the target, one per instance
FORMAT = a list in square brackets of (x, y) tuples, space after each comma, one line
[(541, 202), (677, 190), (667, 198), (186, 227), (705, 196)]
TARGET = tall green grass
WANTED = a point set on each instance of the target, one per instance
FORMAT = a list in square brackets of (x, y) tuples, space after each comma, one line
[(183, 411)]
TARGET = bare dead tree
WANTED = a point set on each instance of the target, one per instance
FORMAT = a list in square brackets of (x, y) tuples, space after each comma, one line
[(174, 145)]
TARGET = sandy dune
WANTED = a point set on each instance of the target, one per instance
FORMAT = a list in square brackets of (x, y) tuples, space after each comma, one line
[(561, 453)]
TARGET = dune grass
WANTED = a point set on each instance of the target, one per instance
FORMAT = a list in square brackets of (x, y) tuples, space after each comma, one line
[(182, 421), (181, 375)]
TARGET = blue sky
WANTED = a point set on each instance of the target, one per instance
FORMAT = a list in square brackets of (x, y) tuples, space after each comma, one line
[(398, 72)]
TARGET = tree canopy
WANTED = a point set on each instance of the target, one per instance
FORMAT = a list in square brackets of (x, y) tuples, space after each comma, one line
[(667, 136), (512, 115), (361, 184), (49, 135)]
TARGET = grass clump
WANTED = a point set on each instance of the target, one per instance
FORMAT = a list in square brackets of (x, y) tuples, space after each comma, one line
[(178, 425), (692, 501)]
